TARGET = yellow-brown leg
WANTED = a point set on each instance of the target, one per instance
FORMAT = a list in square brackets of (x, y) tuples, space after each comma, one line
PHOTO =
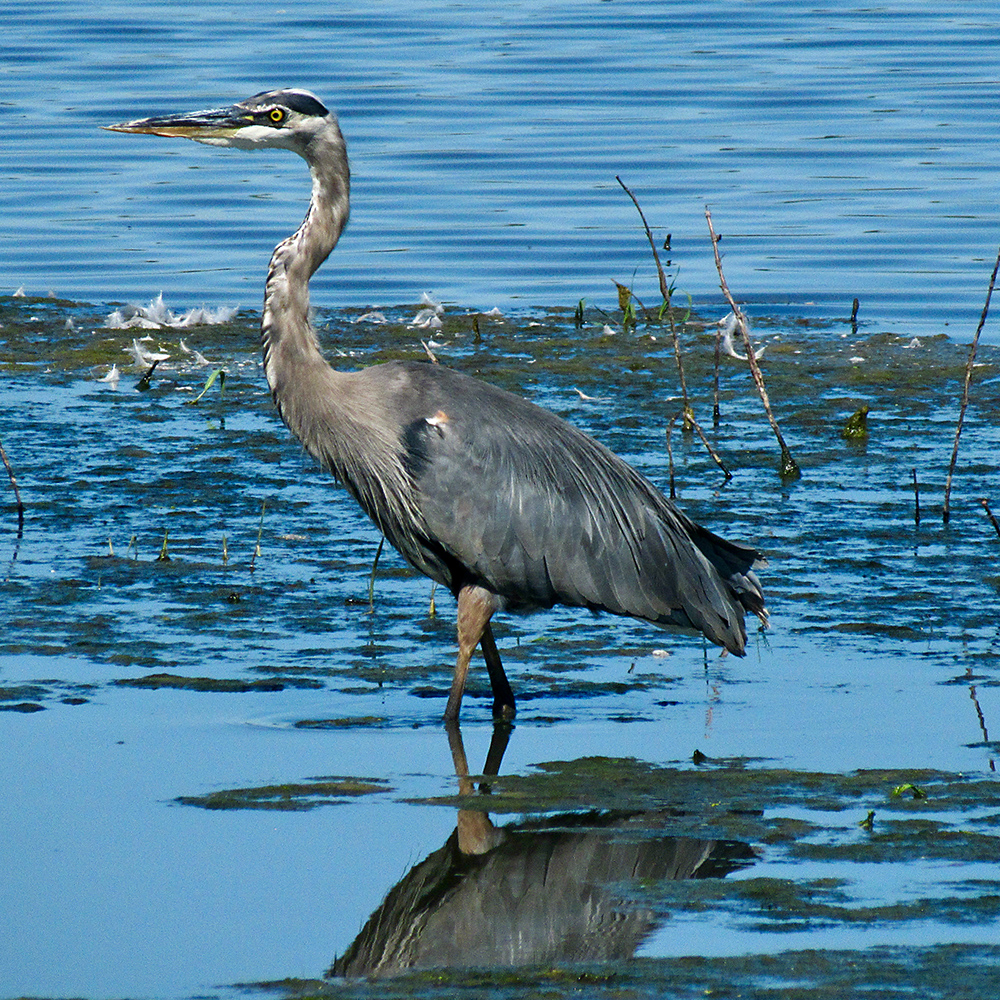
[(475, 607), (476, 832)]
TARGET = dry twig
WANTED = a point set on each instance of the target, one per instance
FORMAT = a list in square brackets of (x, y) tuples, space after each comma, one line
[(789, 467), (989, 514), (946, 513), (689, 421), (665, 292), (17, 492)]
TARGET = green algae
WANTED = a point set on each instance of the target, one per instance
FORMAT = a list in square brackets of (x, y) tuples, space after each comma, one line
[(363, 721), (294, 796), (226, 685), (934, 972)]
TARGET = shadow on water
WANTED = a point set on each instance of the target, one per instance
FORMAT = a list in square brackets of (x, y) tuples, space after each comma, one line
[(528, 895)]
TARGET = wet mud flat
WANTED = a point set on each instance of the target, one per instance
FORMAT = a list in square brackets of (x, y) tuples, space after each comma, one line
[(190, 635)]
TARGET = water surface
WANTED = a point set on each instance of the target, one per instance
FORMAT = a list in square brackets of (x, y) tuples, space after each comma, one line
[(845, 152), (137, 683)]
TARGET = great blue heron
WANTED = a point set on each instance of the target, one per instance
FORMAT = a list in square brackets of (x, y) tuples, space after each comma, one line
[(496, 499)]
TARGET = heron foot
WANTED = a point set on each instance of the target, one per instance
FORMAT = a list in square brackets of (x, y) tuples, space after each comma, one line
[(504, 711)]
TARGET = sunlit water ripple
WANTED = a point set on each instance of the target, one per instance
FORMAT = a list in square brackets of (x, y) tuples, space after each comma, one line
[(844, 153)]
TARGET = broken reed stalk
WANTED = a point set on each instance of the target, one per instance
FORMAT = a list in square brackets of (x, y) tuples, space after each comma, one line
[(371, 578), (715, 455), (989, 514), (664, 289), (665, 292), (946, 512), (716, 415), (689, 420), (260, 531), (789, 467), (17, 492)]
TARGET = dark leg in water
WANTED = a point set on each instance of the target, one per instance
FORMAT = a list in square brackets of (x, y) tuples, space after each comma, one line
[(503, 696)]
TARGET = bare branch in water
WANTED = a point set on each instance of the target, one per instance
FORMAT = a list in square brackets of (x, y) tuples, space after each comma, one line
[(689, 421), (989, 514), (17, 492), (665, 292), (789, 467), (664, 289), (946, 513)]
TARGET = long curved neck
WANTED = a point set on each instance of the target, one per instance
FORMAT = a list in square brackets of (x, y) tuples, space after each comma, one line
[(287, 337), (338, 416)]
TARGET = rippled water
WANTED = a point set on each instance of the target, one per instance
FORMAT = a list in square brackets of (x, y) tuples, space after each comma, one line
[(137, 682), (843, 152)]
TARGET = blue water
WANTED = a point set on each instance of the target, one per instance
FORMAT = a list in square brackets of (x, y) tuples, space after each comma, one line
[(844, 152)]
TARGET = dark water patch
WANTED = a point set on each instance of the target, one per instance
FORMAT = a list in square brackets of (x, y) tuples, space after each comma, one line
[(154, 682), (21, 691), (364, 721), (30, 697)]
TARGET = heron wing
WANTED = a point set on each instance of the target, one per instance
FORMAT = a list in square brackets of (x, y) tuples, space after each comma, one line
[(517, 500)]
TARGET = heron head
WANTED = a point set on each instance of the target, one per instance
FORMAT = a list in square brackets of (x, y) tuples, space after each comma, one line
[(282, 119)]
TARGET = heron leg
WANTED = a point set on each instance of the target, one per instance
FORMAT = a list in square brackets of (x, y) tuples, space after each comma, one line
[(475, 608), (476, 832), (503, 696)]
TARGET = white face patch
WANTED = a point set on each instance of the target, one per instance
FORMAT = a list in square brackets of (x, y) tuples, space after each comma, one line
[(247, 137)]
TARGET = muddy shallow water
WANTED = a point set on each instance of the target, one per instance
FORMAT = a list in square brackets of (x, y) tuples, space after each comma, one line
[(222, 757)]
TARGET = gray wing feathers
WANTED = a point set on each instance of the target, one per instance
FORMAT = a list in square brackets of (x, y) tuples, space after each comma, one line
[(538, 512)]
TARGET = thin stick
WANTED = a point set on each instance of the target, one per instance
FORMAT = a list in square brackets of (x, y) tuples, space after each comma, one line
[(665, 292), (989, 514), (664, 289), (670, 456), (946, 513), (689, 420), (916, 500), (981, 717), (789, 467), (371, 578), (715, 390), (17, 492), (715, 456), (260, 531)]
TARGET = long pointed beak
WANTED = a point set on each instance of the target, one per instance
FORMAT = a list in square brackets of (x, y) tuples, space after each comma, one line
[(203, 126)]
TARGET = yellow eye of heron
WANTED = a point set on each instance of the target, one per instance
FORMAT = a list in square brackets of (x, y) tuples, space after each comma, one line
[(277, 115)]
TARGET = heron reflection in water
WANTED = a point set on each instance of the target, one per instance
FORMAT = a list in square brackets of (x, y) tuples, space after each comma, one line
[(500, 501), (542, 893)]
